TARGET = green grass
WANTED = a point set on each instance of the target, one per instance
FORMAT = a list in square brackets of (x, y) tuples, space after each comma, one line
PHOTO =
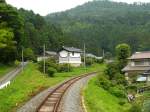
[(5, 69), (30, 82), (99, 100)]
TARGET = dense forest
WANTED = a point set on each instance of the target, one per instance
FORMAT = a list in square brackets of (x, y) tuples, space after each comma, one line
[(103, 24), (20, 28)]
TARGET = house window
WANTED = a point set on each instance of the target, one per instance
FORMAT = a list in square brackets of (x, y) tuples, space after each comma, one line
[(72, 53), (139, 63)]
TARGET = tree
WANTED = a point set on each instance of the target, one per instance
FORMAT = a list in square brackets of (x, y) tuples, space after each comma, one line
[(111, 70), (7, 46), (123, 51), (29, 54)]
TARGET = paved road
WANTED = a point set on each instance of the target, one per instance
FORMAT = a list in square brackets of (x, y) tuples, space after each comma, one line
[(12, 74)]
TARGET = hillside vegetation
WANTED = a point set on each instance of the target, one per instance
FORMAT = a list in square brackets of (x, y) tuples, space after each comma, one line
[(103, 24)]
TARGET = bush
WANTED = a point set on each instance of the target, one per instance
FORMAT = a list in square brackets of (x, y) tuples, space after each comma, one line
[(111, 70), (120, 79), (17, 62), (104, 82), (117, 92), (48, 63), (89, 61), (146, 106), (51, 71), (29, 54), (99, 60), (65, 68), (122, 102), (135, 108)]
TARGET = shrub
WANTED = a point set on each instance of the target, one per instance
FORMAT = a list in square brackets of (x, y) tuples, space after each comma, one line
[(104, 82), (99, 60), (65, 68), (120, 79), (89, 61), (29, 54), (135, 108), (111, 70), (117, 92), (48, 63), (51, 71), (146, 106), (122, 102), (17, 62)]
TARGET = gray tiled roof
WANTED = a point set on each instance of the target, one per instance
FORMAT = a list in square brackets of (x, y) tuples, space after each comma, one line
[(141, 55), (135, 68), (72, 49)]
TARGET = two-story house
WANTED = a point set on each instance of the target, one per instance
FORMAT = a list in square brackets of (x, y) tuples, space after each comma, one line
[(70, 55), (139, 65)]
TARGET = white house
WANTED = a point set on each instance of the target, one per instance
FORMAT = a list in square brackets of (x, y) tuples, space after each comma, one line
[(70, 55)]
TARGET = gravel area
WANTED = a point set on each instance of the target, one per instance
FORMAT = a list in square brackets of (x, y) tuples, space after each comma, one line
[(72, 99)]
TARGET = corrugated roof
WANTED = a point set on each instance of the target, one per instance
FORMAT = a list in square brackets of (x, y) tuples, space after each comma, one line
[(141, 55), (72, 49)]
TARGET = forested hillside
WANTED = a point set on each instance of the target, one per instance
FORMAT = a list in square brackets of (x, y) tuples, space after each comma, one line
[(24, 29), (103, 24)]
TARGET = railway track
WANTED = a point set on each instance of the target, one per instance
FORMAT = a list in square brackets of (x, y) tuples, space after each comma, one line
[(52, 101)]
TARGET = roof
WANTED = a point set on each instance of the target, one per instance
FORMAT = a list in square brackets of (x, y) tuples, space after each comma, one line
[(141, 55), (135, 68), (51, 53), (90, 55), (72, 49)]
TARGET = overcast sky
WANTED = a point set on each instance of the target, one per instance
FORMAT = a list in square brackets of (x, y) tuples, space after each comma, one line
[(44, 7)]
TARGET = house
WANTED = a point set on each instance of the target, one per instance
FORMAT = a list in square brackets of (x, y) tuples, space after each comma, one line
[(139, 65), (70, 55), (48, 54)]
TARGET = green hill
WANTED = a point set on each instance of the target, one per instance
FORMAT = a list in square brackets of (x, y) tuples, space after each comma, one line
[(103, 24)]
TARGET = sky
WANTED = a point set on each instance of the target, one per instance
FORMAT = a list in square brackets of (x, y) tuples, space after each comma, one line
[(44, 7)]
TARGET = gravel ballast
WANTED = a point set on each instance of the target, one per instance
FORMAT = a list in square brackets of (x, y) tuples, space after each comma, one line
[(72, 99)]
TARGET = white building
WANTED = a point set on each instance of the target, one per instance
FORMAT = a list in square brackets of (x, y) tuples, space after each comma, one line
[(70, 55)]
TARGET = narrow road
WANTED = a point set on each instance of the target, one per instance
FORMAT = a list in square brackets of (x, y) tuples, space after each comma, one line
[(70, 103), (12, 74)]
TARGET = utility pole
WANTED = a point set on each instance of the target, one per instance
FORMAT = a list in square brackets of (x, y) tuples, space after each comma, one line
[(84, 57), (103, 53), (22, 55), (68, 61), (44, 58)]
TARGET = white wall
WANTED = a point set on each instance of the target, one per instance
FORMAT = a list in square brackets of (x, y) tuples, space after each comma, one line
[(73, 57)]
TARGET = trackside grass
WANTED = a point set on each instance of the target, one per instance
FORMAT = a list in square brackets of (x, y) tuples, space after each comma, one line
[(30, 82), (99, 100)]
